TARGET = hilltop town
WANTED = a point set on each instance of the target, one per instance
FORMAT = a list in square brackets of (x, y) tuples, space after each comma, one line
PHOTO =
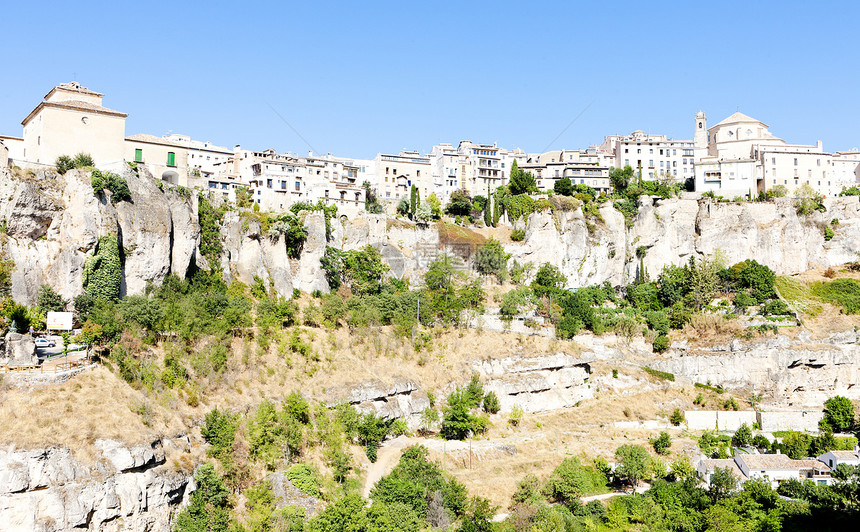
[(737, 157), (645, 334)]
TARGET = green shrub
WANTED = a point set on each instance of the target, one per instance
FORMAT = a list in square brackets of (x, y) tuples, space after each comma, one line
[(64, 163), (102, 276), (110, 181), (843, 292), (571, 480), (491, 259), (517, 235), (661, 344), (776, 307), (828, 233), (743, 436), (305, 478), (677, 417), (548, 280), (744, 300), (659, 374), (661, 443), (491, 403)]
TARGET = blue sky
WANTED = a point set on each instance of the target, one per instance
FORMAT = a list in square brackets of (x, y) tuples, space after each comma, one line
[(358, 78)]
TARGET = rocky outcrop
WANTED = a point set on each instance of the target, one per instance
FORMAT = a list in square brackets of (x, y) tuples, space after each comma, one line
[(53, 223), (127, 489), (286, 494), (536, 383), (799, 372), (400, 399), (18, 349)]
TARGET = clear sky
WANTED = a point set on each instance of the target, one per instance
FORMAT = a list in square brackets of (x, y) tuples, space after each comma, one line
[(358, 78)]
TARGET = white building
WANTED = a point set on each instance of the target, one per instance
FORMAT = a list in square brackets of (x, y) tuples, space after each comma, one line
[(71, 120), (656, 156), (776, 468), (582, 167), (744, 157), (834, 458)]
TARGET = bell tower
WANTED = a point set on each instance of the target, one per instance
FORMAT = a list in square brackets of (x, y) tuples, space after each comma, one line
[(700, 136)]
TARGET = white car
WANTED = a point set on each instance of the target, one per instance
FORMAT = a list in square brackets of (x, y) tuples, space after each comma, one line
[(44, 342)]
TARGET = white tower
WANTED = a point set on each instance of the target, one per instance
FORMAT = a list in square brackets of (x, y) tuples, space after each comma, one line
[(700, 136)]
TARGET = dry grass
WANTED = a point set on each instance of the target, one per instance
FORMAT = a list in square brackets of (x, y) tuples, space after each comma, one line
[(92, 405), (704, 329)]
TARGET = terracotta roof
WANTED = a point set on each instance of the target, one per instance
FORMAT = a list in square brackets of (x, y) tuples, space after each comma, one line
[(724, 463), (779, 461), (77, 105), (740, 117), (846, 455), (152, 139)]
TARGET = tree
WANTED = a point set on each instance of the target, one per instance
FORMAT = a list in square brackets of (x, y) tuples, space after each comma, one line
[(460, 203), (722, 484), (414, 200), (704, 280), (347, 514), (743, 436), (548, 280), (521, 182), (677, 417), (403, 206), (423, 213), (435, 205), (491, 259), (661, 443), (620, 178), (210, 504), (564, 187), (479, 516), (632, 463), (49, 300), (838, 414)]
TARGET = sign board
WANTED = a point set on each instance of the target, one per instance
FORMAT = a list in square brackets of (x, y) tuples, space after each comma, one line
[(59, 321)]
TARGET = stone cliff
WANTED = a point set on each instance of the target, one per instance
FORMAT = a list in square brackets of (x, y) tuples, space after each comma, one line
[(53, 223), (128, 488)]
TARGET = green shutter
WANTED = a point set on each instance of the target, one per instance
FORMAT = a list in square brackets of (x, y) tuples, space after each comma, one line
[(171, 159), (138, 156)]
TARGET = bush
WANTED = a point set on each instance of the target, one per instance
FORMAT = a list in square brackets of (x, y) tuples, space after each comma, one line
[(491, 259), (305, 478), (828, 233), (776, 307), (744, 300), (548, 280), (110, 181), (743, 436), (517, 235), (677, 417), (64, 163), (491, 403), (571, 480), (844, 292), (661, 344), (460, 203), (659, 374), (661, 443), (838, 414)]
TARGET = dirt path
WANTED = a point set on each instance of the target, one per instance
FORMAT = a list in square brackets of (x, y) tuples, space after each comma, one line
[(387, 457)]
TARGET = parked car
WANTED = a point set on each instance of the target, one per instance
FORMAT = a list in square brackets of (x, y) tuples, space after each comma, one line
[(45, 342)]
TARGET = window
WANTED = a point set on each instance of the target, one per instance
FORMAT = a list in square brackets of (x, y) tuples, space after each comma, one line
[(651, 151), (138, 155), (171, 159), (298, 185), (795, 161), (817, 162)]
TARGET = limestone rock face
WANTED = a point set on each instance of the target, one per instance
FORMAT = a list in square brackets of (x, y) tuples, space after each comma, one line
[(536, 383), (131, 490), (797, 372), (54, 223), (18, 349)]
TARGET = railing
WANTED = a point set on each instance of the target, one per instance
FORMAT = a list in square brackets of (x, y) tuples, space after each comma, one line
[(36, 368)]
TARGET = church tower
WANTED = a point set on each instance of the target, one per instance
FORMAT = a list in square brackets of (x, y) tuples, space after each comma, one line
[(700, 137)]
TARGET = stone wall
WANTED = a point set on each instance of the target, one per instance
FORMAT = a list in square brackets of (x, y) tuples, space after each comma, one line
[(718, 419)]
